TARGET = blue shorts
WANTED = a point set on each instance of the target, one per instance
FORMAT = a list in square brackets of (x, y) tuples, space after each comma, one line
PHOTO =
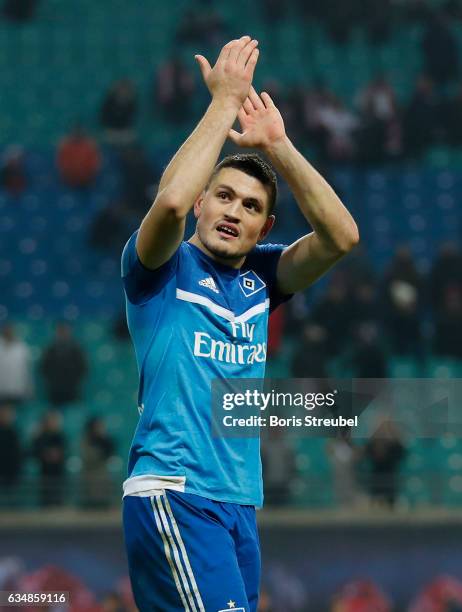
[(186, 552)]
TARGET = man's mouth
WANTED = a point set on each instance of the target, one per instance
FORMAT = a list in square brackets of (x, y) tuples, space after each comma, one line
[(228, 230)]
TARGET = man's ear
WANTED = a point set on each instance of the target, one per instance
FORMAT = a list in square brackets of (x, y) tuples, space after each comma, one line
[(267, 227), (198, 205)]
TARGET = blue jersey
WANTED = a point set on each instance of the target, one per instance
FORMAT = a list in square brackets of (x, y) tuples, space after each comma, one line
[(193, 320)]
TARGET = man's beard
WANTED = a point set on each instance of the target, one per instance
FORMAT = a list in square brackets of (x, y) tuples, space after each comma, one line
[(217, 251)]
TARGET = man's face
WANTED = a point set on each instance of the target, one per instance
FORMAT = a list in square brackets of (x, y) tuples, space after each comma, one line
[(232, 215)]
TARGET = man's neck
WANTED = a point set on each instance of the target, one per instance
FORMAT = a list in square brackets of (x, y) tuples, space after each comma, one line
[(225, 261)]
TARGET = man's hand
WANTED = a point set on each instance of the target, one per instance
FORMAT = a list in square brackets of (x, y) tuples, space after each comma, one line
[(231, 77), (261, 123)]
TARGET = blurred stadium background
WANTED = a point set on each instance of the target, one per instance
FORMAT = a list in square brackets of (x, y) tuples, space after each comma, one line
[(96, 96)]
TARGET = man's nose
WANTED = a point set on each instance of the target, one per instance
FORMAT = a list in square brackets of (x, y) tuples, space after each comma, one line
[(232, 212)]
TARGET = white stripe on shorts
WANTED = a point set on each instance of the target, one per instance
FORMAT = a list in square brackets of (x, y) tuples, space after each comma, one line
[(185, 555), (168, 554), (176, 565)]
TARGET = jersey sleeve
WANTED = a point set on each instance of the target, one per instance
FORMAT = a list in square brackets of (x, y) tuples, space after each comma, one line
[(140, 283), (264, 261)]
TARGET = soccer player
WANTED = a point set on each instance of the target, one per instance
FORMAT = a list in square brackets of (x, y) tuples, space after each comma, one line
[(198, 310)]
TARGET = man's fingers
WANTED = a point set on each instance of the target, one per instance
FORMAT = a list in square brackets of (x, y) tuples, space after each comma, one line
[(248, 106), (250, 67), (246, 52), (236, 49), (267, 101), (241, 115), (224, 53), (234, 136), (203, 65), (255, 99), (227, 48)]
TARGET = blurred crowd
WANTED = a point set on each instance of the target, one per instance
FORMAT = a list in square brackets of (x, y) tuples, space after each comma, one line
[(375, 127), (282, 591), (47, 448), (356, 328), (378, 127), (363, 318), (61, 371)]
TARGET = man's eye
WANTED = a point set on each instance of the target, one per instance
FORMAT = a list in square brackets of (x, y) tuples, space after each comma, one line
[(250, 205), (223, 195)]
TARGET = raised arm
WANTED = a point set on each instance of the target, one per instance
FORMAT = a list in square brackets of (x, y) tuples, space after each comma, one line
[(186, 176), (335, 232)]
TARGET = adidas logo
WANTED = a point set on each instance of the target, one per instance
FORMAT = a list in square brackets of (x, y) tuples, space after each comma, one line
[(209, 283)]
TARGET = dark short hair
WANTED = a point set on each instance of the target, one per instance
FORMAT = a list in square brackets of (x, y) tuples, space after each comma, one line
[(253, 165)]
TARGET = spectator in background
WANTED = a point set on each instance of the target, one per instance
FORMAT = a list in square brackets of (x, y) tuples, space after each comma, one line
[(402, 288), (423, 118), (448, 328), (205, 26), (16, 383), (342, 458), (380, 133), (384, 452), (20, 10), (13, 173), (310, 355), (334, 312), (48, 448), (138, 182), (96, 450), (278, 461), (118, 217), (359, 269), (78, 159), (63, 366), (10, 455), (338, 125), (402, 320), (440, 50), (173, 89), (315, 98), (296, 313), (118, 113), (365, 306), (290, 103), (446, 274), (368, 357)]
